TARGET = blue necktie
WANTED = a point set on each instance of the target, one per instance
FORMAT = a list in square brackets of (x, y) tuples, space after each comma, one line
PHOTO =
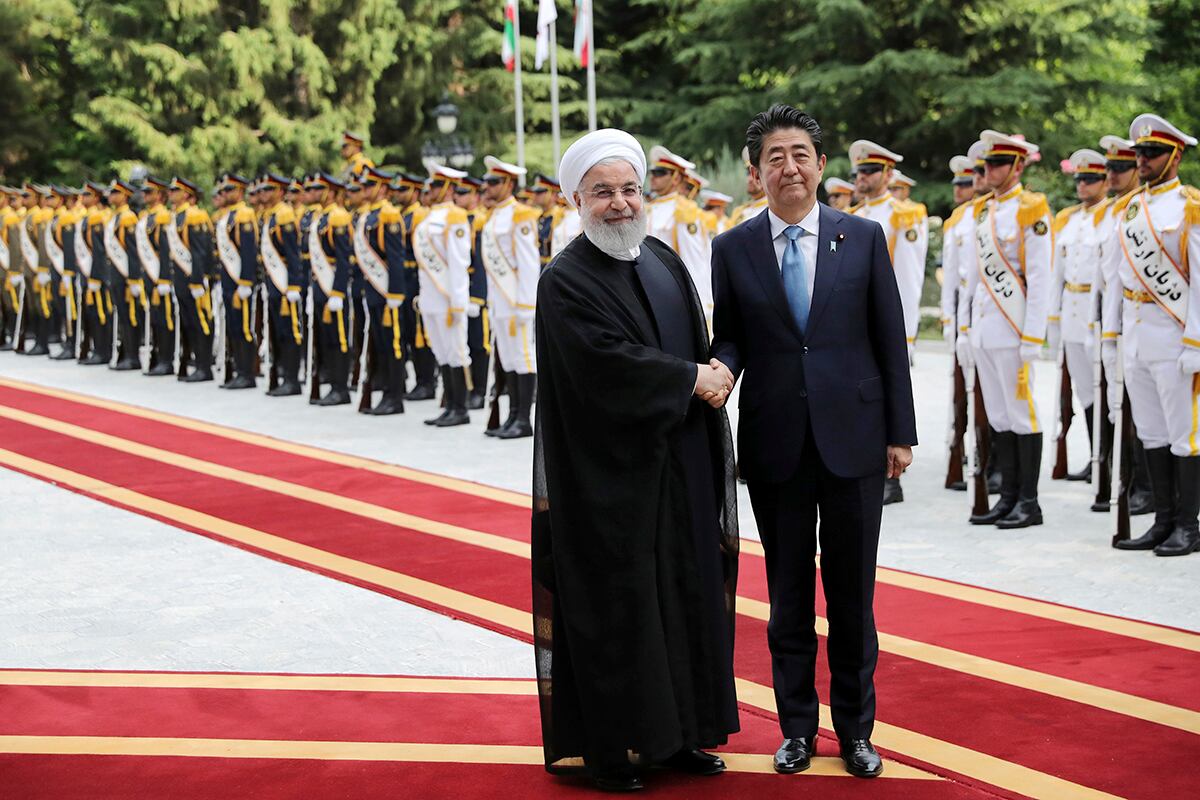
[(795, 276)]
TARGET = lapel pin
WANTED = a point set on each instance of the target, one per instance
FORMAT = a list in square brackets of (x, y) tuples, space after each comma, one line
[(833, 247)]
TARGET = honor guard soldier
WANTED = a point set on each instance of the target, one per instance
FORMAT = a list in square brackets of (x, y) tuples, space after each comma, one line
[(901, 185), (904, 225), (758, 197), (40, 299), (1157, 315), (442, 246), (151, 241), (675, 219), (279, 247), (379, 252), (235, 231), (352, 151), (568, 226), (60, 250), (544, 197), (714, 205), (330, 250), (1076, 270), (510, 257), (408, 200), (478, 332), (838, 193), (92, 260), (1009, 295), (295, 198), (10, 281), (190, 246), (124, 276), (18, 288)]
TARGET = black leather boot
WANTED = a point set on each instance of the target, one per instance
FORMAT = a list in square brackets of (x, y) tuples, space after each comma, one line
[(447, 391), (425, 369), (1160, 465), (1004, 457), (1085, 474), (477, 397), (456, 402), (514, 393), (1104, 483), (1141, 495), (521, 426), (1029, 464), (995, 480), (892, 492), (1186, 536)]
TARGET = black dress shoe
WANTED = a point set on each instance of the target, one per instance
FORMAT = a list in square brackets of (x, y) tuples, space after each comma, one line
[(336, 397), (37, 350), (199, 376), (386, 407), (518, 430), (422, 391), (617, 782), (452, 419), (1183, 540), (161, 368), (241, 382), (67, 353), (127, 365), (436, 420), (94, 359), (475, 401), (1025, 514), (795, 755), (1084, 474), (957, 486), (6, 346), (285, 389), (861, 759), (696, 762)]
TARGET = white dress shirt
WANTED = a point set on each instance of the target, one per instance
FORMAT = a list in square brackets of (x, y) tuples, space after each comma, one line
[(807, 243)]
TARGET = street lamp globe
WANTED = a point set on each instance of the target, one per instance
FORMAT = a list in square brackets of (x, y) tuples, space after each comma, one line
[(446, 114)]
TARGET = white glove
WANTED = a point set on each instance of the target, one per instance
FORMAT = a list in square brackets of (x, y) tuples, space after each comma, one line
[(244, 292), (393, 303), (1053, 336), (16, 279), (1108, 356), (135, 289), (163, 289), (948, 333), (962, 349), (1029, 352), (197, 292), (1189, 361), (43, 278), (335, 304), (473, 310), (293, 296), (66, 282)]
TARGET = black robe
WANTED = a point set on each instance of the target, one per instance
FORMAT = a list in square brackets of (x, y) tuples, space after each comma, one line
[(635, 516)]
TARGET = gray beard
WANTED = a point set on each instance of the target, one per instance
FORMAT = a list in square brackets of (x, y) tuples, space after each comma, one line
[(619, 240)]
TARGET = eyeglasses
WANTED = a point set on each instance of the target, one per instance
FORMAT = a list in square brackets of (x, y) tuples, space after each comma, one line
[(605, 194), (494, 180), (1151, 151), (1089, 178), (354, 187), (870, 169), (1119, 166), (999, 161), (226, 189), (658, 172), (980, 170)]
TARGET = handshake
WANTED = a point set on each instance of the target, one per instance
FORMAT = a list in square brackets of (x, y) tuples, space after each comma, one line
[(714, 382)]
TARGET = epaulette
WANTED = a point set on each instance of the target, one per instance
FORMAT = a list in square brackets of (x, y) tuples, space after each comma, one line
[(1122, 201), (284, 214), (1190, 193), (98, 216), (524, 213), (418, 215), (458, 216), (128, 219), (686, 211), (1033, 206), (956, 216), (1191, 209), (906, 214), (389, 215), (339, 217), (1101, 210), (1063, 217), (244, 214), (481, 218), (980, 202), (710, 221)]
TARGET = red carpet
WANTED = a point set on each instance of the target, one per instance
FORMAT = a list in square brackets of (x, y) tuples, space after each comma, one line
[(1024, 724)]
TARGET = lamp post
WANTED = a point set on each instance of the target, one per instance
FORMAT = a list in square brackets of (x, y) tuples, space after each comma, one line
[(446, 148)]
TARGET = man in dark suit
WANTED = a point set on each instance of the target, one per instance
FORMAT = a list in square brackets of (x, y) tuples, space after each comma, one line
[(806, 307)]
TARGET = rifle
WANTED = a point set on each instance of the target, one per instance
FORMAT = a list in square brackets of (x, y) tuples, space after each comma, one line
[(1065, 413), (367, 365), (146, 351), (18, 328), (977, 426), (314, 354), (1121, 470), (956, 427), (499, 387), (220, 365)]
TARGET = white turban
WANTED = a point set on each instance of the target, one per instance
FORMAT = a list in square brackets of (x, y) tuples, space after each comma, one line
[(592, 148)]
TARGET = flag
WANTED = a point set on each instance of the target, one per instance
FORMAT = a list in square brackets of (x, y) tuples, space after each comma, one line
[(508, 51), (583, 24), (547, 14)]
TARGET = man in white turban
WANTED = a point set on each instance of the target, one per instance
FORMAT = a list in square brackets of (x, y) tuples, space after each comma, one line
[(635, 518)]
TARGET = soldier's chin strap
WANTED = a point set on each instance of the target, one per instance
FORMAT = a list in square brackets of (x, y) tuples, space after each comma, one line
[(1166, 166)]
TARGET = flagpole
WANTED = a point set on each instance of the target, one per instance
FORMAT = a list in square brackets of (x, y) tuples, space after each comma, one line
[(554, 127), (520, 111), (591, 67)]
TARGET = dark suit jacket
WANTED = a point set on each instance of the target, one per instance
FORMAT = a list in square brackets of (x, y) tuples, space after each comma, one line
[(846, 377)]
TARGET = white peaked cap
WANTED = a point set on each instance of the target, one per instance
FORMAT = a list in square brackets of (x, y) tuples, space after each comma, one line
[(960, 164), (865, 151), (446, 173), (496, 165), (975, 152), (661, 155), (836, 185), (901, 179), (1087, 160), (709, 196), (1153, 128), (996, 143), (590, 149), (696, 177)]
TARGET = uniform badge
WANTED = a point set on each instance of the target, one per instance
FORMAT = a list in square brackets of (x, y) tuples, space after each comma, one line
[(1131, 212), (691, 227), (1040, 228), (289, 227), (247, 227), (460, 233), (394, 227), (524, 230), (911, 235), (983, 212)]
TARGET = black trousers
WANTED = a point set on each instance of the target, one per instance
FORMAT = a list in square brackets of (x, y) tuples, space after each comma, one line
[(333, 342), (97, 313), (387, 347), (196, 324), (162, 325), (129, 316), (849, 510), (287, 325)]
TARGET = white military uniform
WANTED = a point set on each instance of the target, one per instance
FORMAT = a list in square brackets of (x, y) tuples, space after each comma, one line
[(958, 249), (510, 257), (567, 228), (748, 211), (1014, 254), (442, 245), (676, 220)]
